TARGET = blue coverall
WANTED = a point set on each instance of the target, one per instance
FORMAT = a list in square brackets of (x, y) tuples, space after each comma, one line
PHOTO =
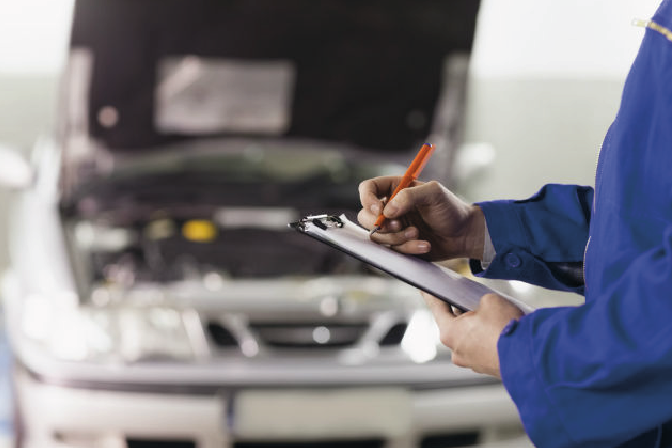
[(599, 375)]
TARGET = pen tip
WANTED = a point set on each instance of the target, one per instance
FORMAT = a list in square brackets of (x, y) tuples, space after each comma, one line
[(374, 230)]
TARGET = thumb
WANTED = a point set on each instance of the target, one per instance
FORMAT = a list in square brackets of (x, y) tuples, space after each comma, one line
[(427, 194)]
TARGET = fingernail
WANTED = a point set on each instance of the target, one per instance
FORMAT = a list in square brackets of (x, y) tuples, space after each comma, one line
[(411, 233), (424, 247), (375, 209)]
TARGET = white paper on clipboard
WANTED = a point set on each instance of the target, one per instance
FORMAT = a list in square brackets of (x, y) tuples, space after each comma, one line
[(341, 233)]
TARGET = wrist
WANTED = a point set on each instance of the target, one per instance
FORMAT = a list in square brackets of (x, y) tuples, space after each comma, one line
[(476, 238)]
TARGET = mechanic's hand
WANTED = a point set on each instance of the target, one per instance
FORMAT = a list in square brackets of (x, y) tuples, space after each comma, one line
[(472, 336), (425, 218)]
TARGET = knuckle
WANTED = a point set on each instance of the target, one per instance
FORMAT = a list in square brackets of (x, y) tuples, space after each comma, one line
[(364, 186), (400, 205), (433, 185), (361, 216), (394, 241), (458, 360), (431, 192), (434, 188), (445, 337), (489, 299), (402, 197)]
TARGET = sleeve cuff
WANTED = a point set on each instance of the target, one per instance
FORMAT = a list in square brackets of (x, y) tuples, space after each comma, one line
[(504, 225)]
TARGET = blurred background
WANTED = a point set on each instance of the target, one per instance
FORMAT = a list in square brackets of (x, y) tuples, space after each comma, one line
[(543, 86)]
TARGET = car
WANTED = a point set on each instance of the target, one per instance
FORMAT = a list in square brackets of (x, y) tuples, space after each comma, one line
[(157, 297)]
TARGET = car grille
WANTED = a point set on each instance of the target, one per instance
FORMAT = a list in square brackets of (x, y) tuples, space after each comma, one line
[(434, 441), (375, 443), (304, 335), (394, 335), (221, 336), (151, 443), (450, 440), (308, 335)]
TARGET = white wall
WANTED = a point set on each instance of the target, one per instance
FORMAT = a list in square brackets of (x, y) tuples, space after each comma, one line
[(546, 80), (558, 38), (553, 38), (33, 35)]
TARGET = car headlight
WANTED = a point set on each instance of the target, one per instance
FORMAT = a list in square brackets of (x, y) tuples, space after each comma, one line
[(421, 340), (68, 331)]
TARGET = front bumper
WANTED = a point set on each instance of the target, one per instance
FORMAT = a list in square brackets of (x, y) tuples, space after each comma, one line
[(58, 416)]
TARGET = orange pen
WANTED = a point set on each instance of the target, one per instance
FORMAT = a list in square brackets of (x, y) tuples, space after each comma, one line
[(411, 174)]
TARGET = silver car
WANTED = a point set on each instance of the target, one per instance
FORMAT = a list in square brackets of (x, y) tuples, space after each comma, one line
[(157, 298)]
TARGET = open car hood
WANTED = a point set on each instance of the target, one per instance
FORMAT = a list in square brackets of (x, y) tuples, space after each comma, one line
[(184, 110), (367, 74)]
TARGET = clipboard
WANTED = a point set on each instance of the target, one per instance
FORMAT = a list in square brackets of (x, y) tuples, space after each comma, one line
[(449, 286)]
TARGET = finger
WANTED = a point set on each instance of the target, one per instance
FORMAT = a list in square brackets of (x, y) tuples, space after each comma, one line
[(366, 219), (445, 320), (415, 247), (420, 194), (498, 306), (371, 191), (400, 242), (391, 234), (441, 310), (490, 300)]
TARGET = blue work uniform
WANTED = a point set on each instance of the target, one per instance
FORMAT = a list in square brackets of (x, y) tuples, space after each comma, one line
[(600, 374)]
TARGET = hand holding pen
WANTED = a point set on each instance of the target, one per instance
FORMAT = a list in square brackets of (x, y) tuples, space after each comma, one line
[(439, 226), (436, 223), (412, 173)]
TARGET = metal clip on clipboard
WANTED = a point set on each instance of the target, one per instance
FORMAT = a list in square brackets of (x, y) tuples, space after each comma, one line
[(323, 222), (346, 236)]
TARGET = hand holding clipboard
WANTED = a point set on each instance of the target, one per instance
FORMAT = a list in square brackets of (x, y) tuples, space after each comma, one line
[(342, 234), (461, 292)]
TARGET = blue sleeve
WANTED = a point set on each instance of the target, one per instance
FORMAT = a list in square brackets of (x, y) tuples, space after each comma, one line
[(540, 240), (599, 373)]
